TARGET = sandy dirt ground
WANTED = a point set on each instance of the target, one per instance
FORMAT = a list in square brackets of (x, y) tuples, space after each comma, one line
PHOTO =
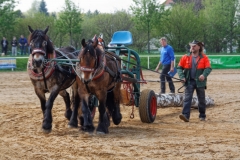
[(167, 138)]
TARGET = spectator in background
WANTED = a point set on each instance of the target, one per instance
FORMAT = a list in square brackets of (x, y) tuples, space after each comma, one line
[(23, 44), (14, 46), (4, 44), (29, 49)]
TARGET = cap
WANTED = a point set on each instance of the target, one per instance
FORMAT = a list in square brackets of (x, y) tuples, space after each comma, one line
[(194, 42)]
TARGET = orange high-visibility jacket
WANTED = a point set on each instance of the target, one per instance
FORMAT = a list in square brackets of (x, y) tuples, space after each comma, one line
[(203, 67)]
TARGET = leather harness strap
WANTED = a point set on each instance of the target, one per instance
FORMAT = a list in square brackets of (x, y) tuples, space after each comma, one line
[(44, 78), (86, 85), (116, 76), (107, 69)]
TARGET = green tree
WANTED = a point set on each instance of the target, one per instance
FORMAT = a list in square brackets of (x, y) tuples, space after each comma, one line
[(7, 17), (19, 14), (53, 14), (147, 13), (70, 20), (34, 8), (139, 39), (182, 26), (231, 10), (221, 23), (89, 27), (22, 25), (108, 23), (43, 7), (197, 3)]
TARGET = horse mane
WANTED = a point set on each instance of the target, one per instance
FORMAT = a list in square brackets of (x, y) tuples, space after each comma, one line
[(89, 48), (40, 34)]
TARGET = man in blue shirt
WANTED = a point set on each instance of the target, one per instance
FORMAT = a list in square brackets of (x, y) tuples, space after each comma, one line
[(167, 62)]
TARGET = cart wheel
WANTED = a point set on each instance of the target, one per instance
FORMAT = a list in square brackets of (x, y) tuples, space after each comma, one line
[(148, 106)]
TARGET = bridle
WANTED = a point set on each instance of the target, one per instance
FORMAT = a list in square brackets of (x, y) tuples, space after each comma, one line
[(85, 68), (97, 70), (38, 49)]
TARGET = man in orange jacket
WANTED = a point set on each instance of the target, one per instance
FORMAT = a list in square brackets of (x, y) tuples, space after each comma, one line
[(193, 70)]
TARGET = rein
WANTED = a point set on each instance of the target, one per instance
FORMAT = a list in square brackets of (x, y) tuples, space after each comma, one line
[(178, 80), (45, 82)]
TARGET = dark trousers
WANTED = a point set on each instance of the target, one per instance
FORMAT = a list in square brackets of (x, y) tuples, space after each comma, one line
[(188, 100), (4, 50), (23, 50), (163, 77)]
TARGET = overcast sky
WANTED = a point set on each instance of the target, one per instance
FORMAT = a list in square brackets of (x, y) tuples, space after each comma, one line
[(104, 6)]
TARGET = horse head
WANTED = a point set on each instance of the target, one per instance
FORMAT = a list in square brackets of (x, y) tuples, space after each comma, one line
[(88, 59), (40, 46)]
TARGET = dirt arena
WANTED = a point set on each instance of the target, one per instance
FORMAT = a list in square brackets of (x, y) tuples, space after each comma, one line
[(167, 138)]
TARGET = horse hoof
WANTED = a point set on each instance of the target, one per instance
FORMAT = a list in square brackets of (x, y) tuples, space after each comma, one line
[(89, 129), (100, 133), (68, 114), (117, 119), (46, 127), (71, 126), (46, 131), (102, 130)]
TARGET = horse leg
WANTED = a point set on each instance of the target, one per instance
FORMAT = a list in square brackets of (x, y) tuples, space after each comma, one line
[(113, 104), (116, 115), (87, 118), (92, 104), (67, 101), (73, 123), (47, 121), (110, 103), (42, 98), (104, 122)]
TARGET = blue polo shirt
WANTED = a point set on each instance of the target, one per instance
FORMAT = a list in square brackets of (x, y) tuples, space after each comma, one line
[(167, 55)]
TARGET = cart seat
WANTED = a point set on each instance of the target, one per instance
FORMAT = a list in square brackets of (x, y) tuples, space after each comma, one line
[(122, 38)]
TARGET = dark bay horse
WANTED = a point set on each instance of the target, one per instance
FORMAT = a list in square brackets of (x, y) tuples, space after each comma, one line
[(47, 76), (97, 75)]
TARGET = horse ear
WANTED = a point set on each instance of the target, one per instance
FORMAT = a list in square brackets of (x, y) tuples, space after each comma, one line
[(83, 43), (95, 41), (46, 30), (30, 29)]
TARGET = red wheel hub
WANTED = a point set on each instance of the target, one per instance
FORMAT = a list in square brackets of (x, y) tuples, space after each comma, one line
[(153, 106)]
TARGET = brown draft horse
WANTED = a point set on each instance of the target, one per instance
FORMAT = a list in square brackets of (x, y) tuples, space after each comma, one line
[(47, 76), (97, 76)]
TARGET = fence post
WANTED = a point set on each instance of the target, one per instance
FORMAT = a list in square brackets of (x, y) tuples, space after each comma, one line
[(148, 62)]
